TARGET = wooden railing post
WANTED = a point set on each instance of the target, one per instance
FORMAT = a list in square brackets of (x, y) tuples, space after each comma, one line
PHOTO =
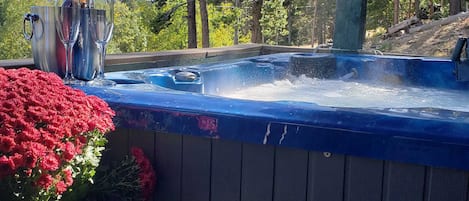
[(349, 32)]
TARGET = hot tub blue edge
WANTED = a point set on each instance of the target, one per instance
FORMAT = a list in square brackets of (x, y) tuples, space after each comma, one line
[(377, 134)]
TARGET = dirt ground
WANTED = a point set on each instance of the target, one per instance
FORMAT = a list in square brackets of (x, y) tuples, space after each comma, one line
[(437, 41)]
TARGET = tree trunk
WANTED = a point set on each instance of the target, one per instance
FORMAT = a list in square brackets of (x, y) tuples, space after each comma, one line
[(410, 12), (321, 18), (191, 25), (236, 28), (256, 31), (291, 12), (205, 28), (463, 5), (330, 22), (322, 31), (454, 7), (314, 23), (431, 8), (396, 12), (417, 7)]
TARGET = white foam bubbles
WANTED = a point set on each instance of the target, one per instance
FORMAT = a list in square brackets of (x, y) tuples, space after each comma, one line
[(355, 94)]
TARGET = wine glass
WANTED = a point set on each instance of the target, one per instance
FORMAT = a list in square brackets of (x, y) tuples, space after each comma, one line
[(102, 24), (67, 18)]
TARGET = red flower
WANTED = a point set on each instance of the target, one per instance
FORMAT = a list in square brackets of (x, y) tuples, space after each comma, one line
[(69, 151), (7, 131), (7, 144), (30, 159), (68, 177), (29, 134), (79, 126), (35, 148), (147, 174), (50, 162), (60, 187), (7, 166), (137, 153), (8, 106), (45, 181), (37, 113), (48, 139), (18, 159), (28, 172)]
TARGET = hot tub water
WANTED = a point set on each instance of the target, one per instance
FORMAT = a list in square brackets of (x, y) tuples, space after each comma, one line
[(353, 94)]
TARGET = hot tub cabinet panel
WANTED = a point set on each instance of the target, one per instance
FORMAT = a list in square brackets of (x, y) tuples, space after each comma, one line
[(193, 168), (206, 147)]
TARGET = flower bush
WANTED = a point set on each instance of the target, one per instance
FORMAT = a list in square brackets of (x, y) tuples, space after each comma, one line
[(131, 179), (51, 135), (146, 173)]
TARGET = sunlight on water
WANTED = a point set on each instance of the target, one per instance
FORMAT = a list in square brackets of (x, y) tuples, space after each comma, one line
[(337, 93)]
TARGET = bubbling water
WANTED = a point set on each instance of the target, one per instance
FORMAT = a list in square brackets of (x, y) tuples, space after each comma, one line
[(354, 94)]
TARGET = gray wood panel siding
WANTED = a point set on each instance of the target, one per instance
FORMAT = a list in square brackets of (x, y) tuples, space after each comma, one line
[(363, 179), (193, 168), (291, 174), (168, 165), (117, 146), (446, 184), (257, 171), (403, 182), (226, 171), (196, 168), (326, 176)]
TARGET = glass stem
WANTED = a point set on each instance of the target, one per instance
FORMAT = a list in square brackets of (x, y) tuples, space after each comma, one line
[(68, 62), (102, 55)]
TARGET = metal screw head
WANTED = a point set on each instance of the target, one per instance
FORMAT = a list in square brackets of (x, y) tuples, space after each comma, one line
[(327, 154)]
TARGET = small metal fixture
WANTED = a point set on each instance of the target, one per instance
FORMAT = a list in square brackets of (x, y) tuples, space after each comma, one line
[(186, 76), (31, 18), (327, 154), (462, 65)]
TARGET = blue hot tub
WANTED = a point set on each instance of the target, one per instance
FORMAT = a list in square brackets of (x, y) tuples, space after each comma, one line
[(300, 126)]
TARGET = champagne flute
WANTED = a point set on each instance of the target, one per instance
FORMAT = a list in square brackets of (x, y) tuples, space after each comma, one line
[(67, 18), (102, 24)]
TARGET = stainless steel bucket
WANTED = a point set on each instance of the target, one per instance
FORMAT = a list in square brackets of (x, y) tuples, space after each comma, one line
[(48, 50)]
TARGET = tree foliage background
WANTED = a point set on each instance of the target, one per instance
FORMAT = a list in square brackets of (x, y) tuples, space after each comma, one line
[(154, 25)]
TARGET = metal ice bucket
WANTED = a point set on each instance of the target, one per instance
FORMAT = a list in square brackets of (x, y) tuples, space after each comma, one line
[(48, 50)]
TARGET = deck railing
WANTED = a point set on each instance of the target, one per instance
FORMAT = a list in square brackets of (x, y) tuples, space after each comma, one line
[(133, 61)]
